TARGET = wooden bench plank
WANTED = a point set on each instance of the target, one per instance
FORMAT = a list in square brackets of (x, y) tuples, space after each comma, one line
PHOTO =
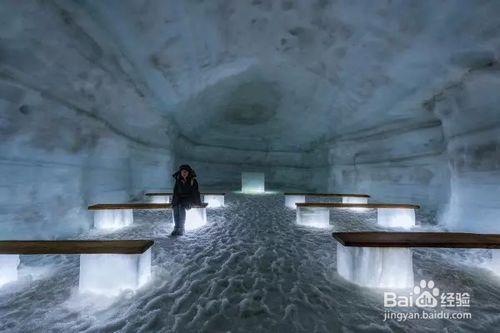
[(170, 193), (131, 205), (329, 194), (418, 239), (75, 247), (138, 205), (355, 205)]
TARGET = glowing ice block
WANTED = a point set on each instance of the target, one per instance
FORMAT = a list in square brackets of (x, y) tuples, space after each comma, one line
[(360, 200), (396, 217), (252, 182), (160, 199), (376, 267), (110, 219), (214, 200), (495, 261), (317, 217), (8, 268), (110, 274), (291, 200), (195, 218)]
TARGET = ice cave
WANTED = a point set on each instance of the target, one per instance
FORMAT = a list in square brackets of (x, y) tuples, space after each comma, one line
[(344, 166)]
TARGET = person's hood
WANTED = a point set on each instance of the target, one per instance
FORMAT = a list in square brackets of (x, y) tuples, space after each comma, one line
[(192, 173)]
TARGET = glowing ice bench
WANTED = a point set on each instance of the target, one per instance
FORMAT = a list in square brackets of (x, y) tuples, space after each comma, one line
[(159, 197), (114, 216), (213, 199), (388, 215), (292, 198), (106, 266), (384, 259), (253, 182)]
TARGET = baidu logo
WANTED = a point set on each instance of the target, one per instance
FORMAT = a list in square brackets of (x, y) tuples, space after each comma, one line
[(430, 299), (426, 294)]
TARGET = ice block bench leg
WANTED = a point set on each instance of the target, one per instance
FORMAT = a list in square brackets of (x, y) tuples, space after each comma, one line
[(384, 259), (196, 217), (111, 219), (252, 182), (317, 217), (396, 217), (292, 199), (376, 267), (355, 199), (495, 261), (159, 197), (106, 266), (8, 268), (214, 200), (389, 215)]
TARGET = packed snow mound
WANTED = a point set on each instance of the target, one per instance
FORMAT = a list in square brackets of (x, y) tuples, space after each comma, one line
[(251, 269)]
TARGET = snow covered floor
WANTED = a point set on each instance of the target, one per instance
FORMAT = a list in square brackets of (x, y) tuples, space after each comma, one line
[(251, 269)]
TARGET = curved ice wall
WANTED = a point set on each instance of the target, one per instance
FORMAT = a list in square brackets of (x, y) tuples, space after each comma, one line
[(398, 100), (470, 113), (75, 128)]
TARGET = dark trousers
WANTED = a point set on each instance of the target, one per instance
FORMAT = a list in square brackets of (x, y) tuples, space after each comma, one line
[(179, 217)]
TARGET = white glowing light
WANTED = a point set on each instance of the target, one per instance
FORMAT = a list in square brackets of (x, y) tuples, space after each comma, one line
[(160, 199), (195, 218), (495, 261), (356, 200), (214, 200), (396, 217), (8, 268), (112, 219), (110, 274), (376, 267), (252, 182), (316, 217), (291, 200)]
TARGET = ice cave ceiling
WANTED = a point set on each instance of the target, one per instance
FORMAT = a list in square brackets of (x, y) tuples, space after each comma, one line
[(265, 75), (283, 75)]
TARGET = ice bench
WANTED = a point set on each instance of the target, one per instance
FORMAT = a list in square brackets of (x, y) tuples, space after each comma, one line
[(292, 198), (115, 216), (213, 199), (159, 197), (384, 259), (253, 182), (106, 266), (388, 215)]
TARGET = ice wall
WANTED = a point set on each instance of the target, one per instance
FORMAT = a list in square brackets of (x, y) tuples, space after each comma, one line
[(69, 129), (401, 163), (220, 168), (470, 113), (437, 144), (451, 165)]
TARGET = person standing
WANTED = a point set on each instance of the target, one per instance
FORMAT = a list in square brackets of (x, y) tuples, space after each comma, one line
[(186, 195)]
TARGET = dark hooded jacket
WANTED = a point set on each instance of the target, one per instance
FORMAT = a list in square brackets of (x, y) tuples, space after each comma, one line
[(186, 193)]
